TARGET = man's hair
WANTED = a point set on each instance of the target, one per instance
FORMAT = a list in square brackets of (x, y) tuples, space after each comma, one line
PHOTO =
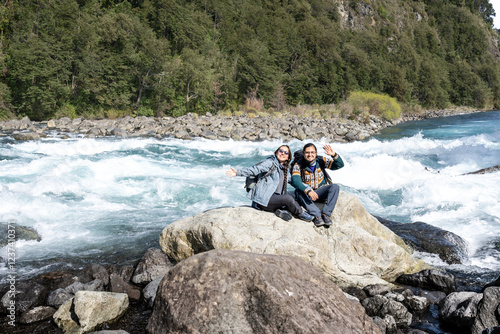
[(309, 145)]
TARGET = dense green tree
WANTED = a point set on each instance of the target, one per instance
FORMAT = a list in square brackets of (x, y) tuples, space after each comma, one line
[(175, 56)]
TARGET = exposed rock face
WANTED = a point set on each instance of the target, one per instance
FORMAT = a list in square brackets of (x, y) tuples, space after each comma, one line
[(450, 247), (224, 291), (430, 279), (459, 309), (382, 306), (355, 251), (153, 264), (27, 295), (487, 311), (22, 233), (486, 170), (91, 310), (37, 314)]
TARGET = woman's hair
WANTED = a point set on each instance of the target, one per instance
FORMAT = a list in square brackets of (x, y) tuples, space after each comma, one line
[(309, 145), (289, 155)]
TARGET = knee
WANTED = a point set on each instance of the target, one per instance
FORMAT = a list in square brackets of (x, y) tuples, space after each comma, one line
[(334, 187), (288, 199)]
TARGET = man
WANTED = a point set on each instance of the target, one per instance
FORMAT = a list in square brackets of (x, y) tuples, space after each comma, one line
[(310, 181)]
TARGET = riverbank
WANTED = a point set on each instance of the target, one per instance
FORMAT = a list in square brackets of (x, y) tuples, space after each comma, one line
[(215, 127)]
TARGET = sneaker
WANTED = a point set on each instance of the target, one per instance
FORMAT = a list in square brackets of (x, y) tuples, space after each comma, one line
[(283, 214), (305, 216), (326, 219), (318, 221)]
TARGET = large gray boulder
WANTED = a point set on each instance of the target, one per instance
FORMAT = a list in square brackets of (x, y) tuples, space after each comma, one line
[(424, 237), (355, 251), (224, 291), (88, 310)]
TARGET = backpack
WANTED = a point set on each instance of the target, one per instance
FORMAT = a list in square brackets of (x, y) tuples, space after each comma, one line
[(252, 180), (298, 158)]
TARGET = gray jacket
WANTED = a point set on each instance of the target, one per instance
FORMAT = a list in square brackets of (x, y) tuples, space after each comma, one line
[(265, 187)]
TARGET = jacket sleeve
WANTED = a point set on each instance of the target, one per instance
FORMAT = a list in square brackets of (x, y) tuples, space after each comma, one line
[(256, 169), (297, 179), (334, 164)]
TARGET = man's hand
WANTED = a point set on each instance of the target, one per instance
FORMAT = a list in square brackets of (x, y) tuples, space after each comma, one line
[(329, 150), (312, 194)]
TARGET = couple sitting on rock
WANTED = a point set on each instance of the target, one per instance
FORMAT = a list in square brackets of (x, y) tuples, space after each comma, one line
[(306, 173)]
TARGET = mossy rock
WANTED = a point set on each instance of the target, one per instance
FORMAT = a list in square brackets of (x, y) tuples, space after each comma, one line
[(21, 233)]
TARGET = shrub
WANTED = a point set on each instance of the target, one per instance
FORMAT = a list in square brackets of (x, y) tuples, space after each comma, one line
[(144, 111), (375, 104), (67, 110)]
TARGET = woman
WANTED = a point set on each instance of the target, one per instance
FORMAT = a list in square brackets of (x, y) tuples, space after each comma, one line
[(269, 194)]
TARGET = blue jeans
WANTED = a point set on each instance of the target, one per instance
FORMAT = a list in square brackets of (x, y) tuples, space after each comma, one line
[(326, 194)]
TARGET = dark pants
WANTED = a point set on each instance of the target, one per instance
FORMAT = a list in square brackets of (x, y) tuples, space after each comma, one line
[(282, 202), (327, 194)]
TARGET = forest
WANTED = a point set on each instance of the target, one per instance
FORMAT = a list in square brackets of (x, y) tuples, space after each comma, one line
[(109, 58)]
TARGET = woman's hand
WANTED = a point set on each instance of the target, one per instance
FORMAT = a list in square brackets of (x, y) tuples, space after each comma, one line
[(231, 172), (329, 150)]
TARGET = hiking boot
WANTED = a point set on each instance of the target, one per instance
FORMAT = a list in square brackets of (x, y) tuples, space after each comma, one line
[(326, 219), (318, 221), (305, 216), (283, 214)]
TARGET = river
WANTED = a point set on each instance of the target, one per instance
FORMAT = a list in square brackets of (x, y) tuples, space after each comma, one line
[(106, 200)]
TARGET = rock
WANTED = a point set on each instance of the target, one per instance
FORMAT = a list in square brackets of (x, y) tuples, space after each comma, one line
[(117, 132), (356, 292), (423, 237), (120, 331), (24, 136), (376, 289), (58, 297), (485, 170), (28, 294), (430, 279), (222, 291), (381, 306), (119, 285), (355, 251), (458, 310), (39, 313), (95, 271), (95, 285), (126, 273), (492, 330), (434, 297), (380, 323), (416, 304), (152, 265), (51, 124), (20, 232), (149, 292), (487, 311), (90, 309), (494, 283)]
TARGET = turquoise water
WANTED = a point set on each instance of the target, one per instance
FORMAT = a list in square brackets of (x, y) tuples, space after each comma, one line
[(107, 200)]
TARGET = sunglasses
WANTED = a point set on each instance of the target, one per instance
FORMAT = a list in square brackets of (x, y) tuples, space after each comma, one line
[(284, 152)]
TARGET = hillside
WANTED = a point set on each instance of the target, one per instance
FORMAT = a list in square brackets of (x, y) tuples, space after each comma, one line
[(106, 58)]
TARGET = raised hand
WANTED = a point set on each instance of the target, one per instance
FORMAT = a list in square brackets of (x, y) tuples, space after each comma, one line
[(329, 150)]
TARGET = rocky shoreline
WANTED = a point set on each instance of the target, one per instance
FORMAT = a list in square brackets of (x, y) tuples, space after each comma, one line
[(215, 127)]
